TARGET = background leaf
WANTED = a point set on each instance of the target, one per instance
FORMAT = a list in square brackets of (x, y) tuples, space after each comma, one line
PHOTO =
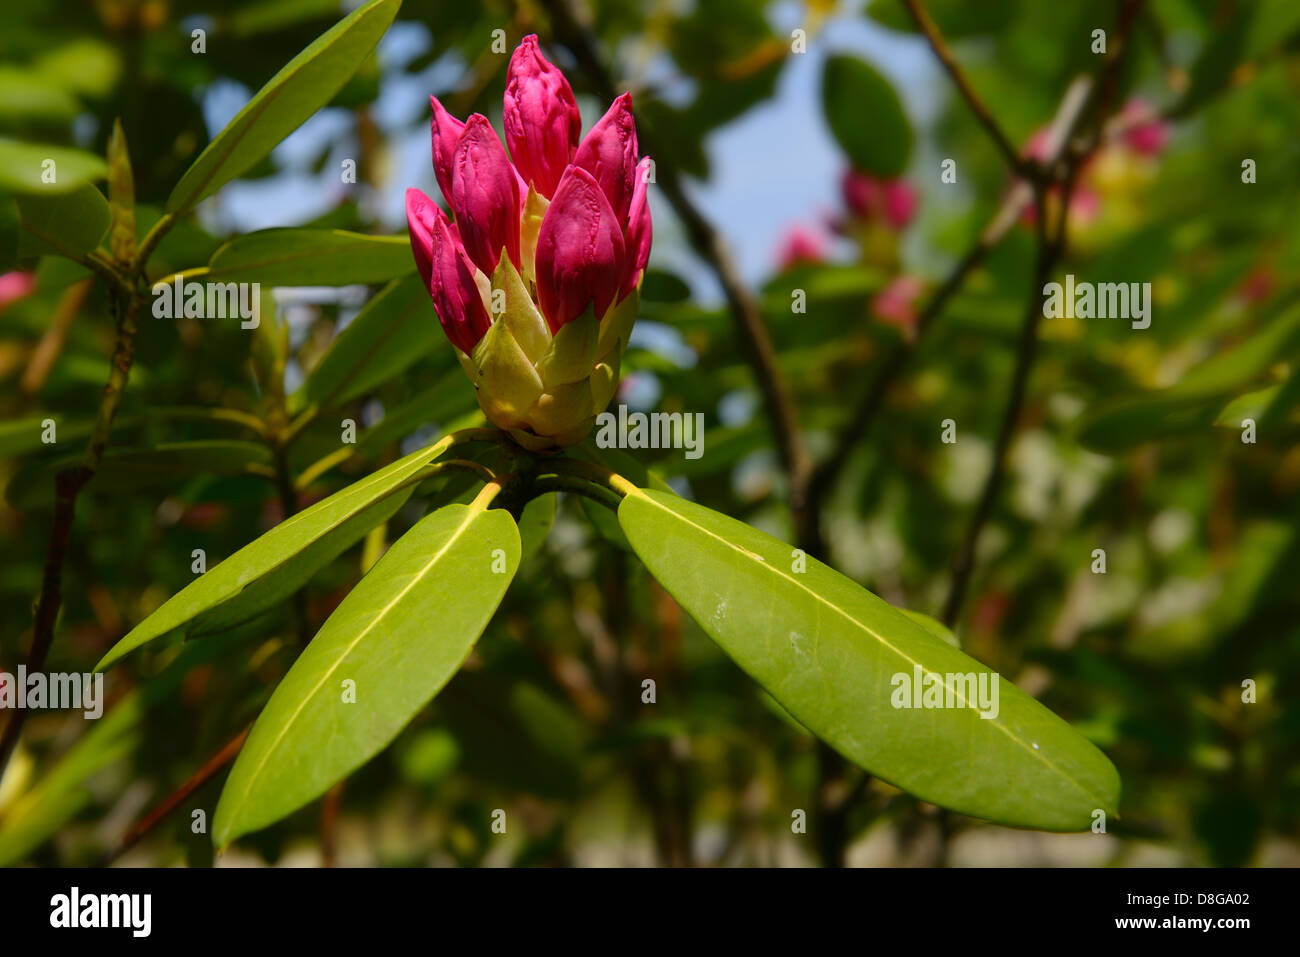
[(866, 116), (303, 86), (312, 257)]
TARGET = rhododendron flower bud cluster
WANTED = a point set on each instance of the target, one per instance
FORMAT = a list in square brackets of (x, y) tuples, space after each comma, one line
[(536, 276)]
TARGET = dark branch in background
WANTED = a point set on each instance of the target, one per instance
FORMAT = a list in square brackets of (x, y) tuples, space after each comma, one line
[(1097, 101), (1018, 164), (709, 245), (67, 486), (202, 776)]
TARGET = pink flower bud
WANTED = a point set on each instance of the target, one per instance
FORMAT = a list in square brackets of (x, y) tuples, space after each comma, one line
[(900, 203), (541, 118), (580, 251), (609, 154), (485, 196), (446, 130), (637, 237), (16, 285), (800, 245), (447, 272), (896, 303), (1148, 134), (421, 217), (868, 198)]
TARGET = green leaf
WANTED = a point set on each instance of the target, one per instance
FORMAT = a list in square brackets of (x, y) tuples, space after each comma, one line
[(828, 650), (68, 224), (306, 83), (312, 257), (27, 95), (267, 556), (285, 579), (933, 625), (398, 637), (393, 330), (22, 166), (866, 116)]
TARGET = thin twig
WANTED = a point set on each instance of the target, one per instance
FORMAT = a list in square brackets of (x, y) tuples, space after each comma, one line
[(67, 486), (202, 776), (1018, 163)]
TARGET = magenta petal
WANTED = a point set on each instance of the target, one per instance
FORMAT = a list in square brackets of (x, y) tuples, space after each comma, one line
[(580, 251), (609, 154), (422, 216), (446, 130), (455, 294), (485, 196), (541, 118), (900, 203), (638, 230)]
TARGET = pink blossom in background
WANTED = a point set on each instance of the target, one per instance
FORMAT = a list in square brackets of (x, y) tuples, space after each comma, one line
[(1149, 134), (896, 303), (801, 245), (892, 200), (16, 285)]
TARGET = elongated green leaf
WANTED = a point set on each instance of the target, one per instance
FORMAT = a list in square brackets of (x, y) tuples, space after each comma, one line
[(67, 223), (312, 257), (303, 86), (866, 116), (286, 578), (388, 648), (38, 168), (828, 651), (394, 329), (933, 625), (266, 556)]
